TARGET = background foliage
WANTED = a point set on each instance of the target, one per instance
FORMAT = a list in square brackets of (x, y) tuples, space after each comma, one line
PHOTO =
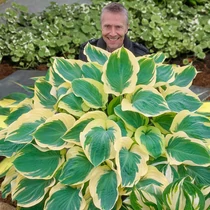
[(174, 28)]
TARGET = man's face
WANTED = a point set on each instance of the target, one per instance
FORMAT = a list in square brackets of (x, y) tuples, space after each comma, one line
[(114, 27)]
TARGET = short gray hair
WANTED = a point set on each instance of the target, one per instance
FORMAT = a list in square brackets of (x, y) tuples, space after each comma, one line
[(115, 7)]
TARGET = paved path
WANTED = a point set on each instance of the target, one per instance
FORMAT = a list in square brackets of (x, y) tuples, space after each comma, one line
[(35, 6), (24, 77)]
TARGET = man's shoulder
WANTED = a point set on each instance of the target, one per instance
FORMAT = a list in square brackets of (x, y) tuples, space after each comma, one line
[(139, 49), (91, 41)]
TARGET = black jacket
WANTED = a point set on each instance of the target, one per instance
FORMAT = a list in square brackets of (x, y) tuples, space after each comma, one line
[(135, 48)]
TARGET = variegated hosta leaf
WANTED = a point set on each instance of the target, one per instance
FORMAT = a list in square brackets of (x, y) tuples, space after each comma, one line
[(68, 69), (150, 188), (184, 75), (183, 195), (15, 114), (90, 205), (2, 122), (179, 98), (204, 109), (26, 102), (21, 130), (63, 90), (147, 101), (40, 205), (13, 99), (92, 70), (96, 54), (3, 134), (199, 173), (120, 72), (4, 111), (44, 95), (151, 140), (153, 181), (185, 150), (77, 168), (89, 200), (205, 190), (164, 74), (73, 134), (6, 184), (118, 204), (54, 78), (5, 165), (91, 91), (98, 139), (130, 161), (147, 72), (65, 198), (136, 200), (29, 192), (194, 125), (170, 172), (104, 187), (158, 57), (72, 104), (50, 133), (35, 164), (163, 122), (173, 195), (133, 120), (8, 148), (10, 114), (124, 130), (93, 115), (112, 104)]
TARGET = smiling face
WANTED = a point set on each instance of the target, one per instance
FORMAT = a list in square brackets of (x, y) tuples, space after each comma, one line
[(114, 26)]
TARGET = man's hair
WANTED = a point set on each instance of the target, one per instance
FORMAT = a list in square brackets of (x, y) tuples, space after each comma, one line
[(115, 7)]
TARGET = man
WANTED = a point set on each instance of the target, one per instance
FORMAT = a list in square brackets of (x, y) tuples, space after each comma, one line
[(114, 28)]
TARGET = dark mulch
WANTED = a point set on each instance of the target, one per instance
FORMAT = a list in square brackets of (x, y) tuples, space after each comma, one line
[(7, 68)]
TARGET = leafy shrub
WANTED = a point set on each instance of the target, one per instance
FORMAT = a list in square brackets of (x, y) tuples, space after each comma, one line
[(187, 2), (31, 39), (117, 132), (170, 27)]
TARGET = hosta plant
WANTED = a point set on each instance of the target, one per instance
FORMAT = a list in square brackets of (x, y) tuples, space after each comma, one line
[(116, 132)]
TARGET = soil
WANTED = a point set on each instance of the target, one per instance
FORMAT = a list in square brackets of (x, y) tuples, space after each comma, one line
[(202, 79), (7, 68)]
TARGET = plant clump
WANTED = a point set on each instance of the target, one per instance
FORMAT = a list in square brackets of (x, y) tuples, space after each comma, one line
[(116, 132)]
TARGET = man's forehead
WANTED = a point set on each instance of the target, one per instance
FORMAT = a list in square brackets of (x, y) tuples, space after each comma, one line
[(112, 24), (107, 17)]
